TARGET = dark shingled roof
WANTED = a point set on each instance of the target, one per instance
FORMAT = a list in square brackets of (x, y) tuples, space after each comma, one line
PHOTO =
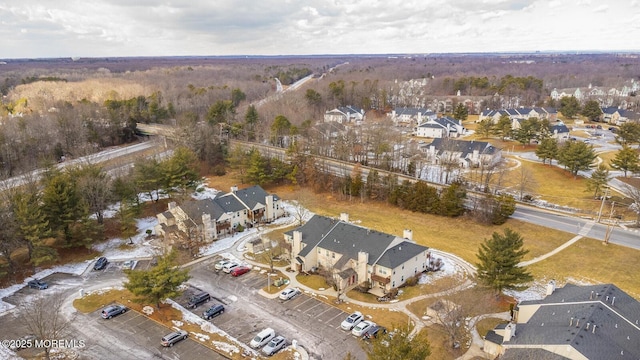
[(252, 196), (195, 209), (463, 146), (400, 253), (531, 354), (348, 239), (313, 231), (563, 317), (228, 203)]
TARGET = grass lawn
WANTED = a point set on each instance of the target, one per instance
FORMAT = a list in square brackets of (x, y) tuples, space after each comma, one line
[(462, 236), (607, 157), (591, 261), (483, 326), (312, 281)]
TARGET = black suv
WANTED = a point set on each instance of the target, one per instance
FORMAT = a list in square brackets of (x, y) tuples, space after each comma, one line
[(38, 284), (213, 311), (198, 299), (100, 264)]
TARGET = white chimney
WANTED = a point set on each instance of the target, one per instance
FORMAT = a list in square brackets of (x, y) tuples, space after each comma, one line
[(509, 332), (234, 188), (407, 234), (344, 217), (551, 287)]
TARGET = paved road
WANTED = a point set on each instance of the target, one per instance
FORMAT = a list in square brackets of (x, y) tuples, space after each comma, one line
[(629, 238)]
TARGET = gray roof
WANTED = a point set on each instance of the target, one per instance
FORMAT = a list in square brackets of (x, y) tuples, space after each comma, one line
[(560, 129), (565, 314), (400, 254), (348, 239), (228, 203), (253, 196), (531, 354), (463, 146), (195, 209), (412, 111), (313, 231)]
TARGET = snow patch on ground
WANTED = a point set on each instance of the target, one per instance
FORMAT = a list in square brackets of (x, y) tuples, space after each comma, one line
[(225, 347), (177, 323), (536, 291), (449, 268), (139, 246), (74, 269), (201, 337), (148, 310)]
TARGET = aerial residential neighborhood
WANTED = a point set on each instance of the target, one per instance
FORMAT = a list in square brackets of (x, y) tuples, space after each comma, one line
[(453, 206)]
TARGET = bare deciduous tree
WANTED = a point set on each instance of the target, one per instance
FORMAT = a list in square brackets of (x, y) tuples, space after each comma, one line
[(45, 319), (525, 182), (634, 194)]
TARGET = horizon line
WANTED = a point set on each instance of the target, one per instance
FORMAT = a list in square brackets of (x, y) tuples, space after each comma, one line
[(407, 54)]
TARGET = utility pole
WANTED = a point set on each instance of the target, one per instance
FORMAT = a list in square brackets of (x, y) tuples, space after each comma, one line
[(604, 197), (607, 235)]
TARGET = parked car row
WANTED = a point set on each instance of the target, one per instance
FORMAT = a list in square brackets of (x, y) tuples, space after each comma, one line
[(268, 341), (232, 267)]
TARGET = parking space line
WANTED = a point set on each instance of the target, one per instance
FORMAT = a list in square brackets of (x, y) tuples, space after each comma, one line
[(340, 313), (314, 306), (328, 309), (308, 299)]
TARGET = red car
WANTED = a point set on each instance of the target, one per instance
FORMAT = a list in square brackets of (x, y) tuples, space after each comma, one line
[(237, 271)]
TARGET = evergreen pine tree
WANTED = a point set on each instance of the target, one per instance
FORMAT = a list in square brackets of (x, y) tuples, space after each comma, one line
[(626, 160), (158, 283), (498, 261)]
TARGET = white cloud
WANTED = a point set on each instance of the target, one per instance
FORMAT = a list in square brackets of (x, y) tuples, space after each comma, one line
[(35, 28)]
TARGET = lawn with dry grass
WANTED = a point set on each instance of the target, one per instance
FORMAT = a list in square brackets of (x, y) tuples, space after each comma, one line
[(463, 236), (591, 261)]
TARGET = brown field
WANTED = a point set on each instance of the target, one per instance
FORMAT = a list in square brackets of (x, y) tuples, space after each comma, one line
[(463, 236)]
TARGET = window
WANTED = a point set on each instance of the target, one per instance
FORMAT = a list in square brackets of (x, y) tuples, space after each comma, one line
[(319, 251), (402, 278), (333, 255)]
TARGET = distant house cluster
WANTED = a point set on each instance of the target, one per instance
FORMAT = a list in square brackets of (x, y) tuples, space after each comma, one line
[(411, 117), (604, 95), (345, 115), (441, 127), (356, 255), (217, 217), (572, 322), (542, 113)]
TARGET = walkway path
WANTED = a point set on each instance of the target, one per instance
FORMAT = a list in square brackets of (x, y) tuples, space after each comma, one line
[(583, 232)]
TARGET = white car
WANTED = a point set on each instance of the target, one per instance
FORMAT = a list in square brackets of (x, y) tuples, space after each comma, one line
[(220, 264), (289, 293), (230, 266), (362, 327), (351, 321)]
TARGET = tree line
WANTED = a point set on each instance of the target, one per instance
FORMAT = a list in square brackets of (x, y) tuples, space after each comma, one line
[(66, 207)]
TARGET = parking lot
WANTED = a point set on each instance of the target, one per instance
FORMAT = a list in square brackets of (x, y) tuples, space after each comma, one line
[(146, 333), (314, 324)]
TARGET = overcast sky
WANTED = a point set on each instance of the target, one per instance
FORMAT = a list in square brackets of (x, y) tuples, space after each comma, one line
[(101, 28)]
